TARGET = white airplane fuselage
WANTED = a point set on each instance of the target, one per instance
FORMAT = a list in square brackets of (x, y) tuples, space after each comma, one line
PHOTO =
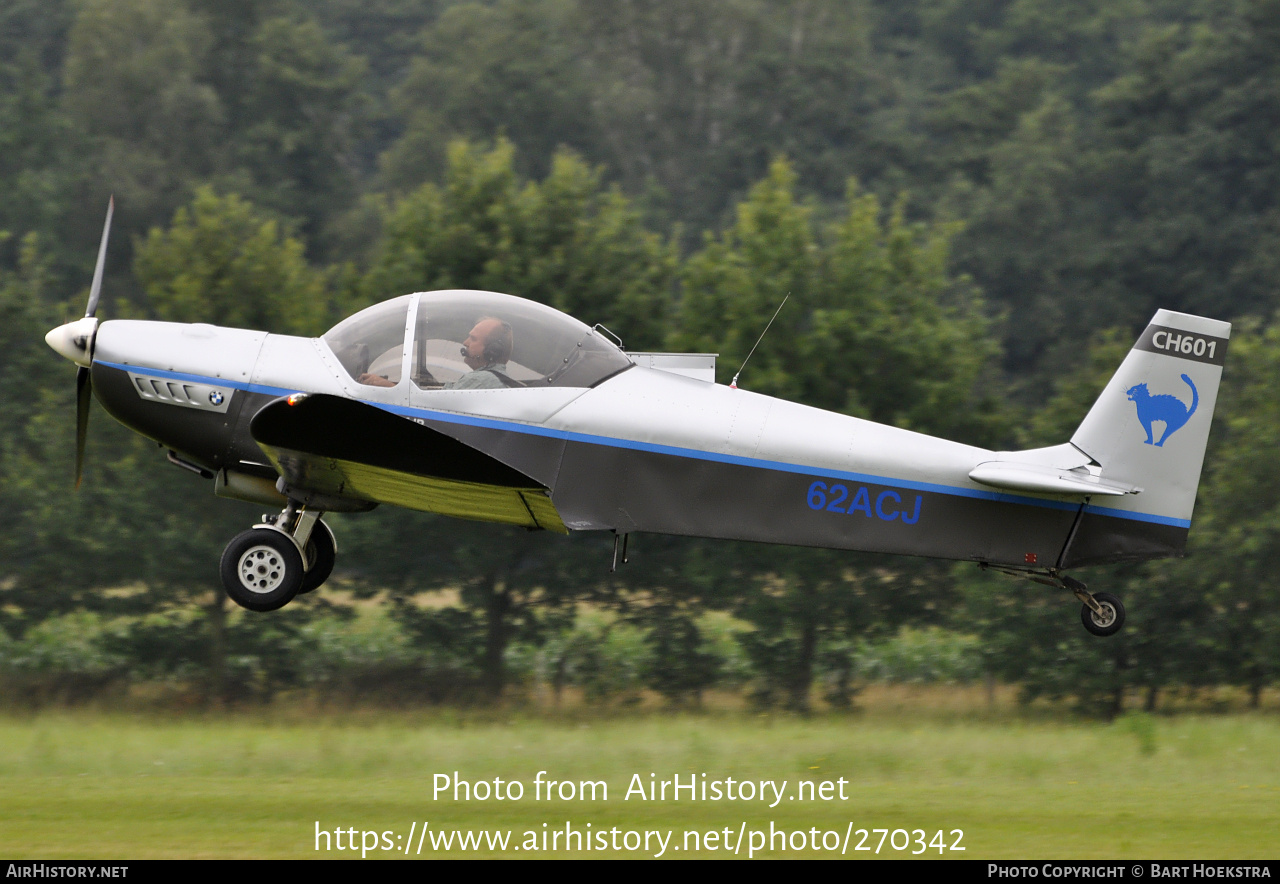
[(644, 450)]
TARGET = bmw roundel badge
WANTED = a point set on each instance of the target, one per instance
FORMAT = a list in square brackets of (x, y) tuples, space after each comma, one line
[(215, 398)]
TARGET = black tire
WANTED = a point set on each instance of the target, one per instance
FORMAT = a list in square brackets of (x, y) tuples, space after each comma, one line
[(261, 569), (1113, 618), (322, 552)]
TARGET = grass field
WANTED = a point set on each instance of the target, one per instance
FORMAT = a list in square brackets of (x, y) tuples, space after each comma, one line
[(249, 785)]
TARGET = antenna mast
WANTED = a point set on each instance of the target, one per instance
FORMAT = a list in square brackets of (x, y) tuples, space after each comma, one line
[(733, 385)]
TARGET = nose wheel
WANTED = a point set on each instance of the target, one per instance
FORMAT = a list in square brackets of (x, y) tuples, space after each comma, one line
[(262, 569)]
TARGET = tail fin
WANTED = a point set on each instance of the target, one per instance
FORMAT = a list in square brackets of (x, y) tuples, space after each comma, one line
[(1143, 433)]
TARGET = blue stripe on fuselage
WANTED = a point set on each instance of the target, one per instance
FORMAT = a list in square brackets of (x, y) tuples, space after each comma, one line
[(675, 451), (199, 379)]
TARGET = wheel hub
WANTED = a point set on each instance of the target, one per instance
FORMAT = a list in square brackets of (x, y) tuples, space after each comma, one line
[(261, 569), (1106, 616)]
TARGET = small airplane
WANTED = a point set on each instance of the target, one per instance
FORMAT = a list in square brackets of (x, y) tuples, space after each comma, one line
[(485, 406)]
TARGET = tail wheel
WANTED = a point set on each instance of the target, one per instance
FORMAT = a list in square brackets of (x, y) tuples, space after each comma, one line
[(322, 552), (1109, 620), (261, 569)]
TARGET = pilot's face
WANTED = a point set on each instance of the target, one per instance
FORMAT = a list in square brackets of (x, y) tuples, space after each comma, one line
[(475, 343)]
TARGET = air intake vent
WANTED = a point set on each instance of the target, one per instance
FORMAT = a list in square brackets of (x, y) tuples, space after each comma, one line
[(191, 395)]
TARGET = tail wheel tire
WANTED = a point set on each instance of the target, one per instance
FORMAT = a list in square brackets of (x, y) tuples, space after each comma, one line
[(1109, 621), (322, 552), (261, 569)]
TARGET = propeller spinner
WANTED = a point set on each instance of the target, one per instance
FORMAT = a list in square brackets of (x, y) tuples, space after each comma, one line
[(74, 340)]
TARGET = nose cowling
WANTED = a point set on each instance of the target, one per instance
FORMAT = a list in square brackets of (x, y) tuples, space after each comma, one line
[(74, 340), (183, 385)]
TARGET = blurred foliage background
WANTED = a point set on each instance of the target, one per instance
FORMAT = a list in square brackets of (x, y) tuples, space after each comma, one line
[(974, 205)]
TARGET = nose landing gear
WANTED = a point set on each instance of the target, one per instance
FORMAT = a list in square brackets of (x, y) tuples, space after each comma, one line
[(264, 567)]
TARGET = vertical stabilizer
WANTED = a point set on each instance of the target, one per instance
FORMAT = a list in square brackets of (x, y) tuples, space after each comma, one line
[(1150, 425)]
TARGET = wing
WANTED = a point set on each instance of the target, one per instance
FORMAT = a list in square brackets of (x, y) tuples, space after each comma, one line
[(339, 447)]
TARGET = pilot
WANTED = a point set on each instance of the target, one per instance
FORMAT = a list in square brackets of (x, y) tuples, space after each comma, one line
[(486, 351)]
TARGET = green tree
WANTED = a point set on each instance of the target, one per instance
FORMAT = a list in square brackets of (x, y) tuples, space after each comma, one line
[(697, 98), (224, 261), (1195, 173), (1235, 544), (489, 70), (38, 146), (874, 325), (25, 466), (679, 666), (135, 78), (293, 119), (566, 241), (251, 95), (684, 103)]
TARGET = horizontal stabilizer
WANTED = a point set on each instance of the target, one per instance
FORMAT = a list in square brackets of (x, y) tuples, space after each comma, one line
[(343, 448), (1042, 479)]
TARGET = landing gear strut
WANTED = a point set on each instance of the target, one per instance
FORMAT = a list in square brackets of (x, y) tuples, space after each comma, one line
[(1102, 613), (263, 568)]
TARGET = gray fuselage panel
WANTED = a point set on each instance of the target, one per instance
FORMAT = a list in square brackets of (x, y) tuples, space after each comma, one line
[(651, 451)]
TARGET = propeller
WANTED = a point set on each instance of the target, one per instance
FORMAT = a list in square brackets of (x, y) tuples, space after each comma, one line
[(75, 341), (95, 290)]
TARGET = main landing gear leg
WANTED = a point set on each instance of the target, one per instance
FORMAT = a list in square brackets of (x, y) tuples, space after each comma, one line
[(263, 568), (1102, 613)]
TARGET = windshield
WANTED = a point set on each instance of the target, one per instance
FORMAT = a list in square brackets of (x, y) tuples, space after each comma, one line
[(465, 339), (370, 344)]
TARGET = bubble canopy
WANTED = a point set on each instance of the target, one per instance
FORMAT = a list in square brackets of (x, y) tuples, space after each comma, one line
[(423, 335)]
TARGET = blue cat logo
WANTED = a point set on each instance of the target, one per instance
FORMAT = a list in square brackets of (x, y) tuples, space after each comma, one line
[(1165, 409)]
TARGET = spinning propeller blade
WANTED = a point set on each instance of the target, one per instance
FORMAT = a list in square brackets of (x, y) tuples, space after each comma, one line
[(84, 393), (96, 289), (75, 341)]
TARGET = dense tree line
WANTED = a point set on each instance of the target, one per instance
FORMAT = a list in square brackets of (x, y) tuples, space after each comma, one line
[(972, 206)]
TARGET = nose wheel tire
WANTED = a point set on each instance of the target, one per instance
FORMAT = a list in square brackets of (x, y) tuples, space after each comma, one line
[(1109, 621), (261, 569), (322, 552)]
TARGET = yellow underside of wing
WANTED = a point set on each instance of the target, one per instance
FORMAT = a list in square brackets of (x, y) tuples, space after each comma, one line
[(527, 507)]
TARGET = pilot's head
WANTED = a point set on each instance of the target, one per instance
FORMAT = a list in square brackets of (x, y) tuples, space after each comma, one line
[(489, 343)]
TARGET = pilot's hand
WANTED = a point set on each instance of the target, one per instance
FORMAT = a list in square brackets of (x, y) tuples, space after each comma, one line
[(375, 380)]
